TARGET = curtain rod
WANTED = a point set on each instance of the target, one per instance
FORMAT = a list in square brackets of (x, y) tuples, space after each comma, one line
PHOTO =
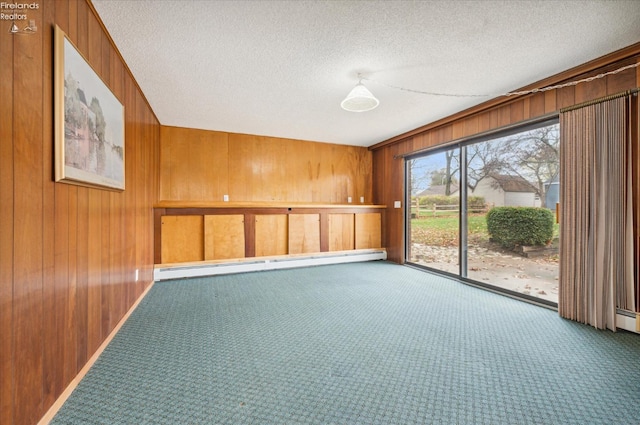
[(600, 100)]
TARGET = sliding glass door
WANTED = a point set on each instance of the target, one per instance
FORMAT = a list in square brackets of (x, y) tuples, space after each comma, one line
[(451, 227), (434, 226)]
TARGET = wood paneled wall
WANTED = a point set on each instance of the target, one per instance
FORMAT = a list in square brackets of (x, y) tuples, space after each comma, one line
[(388, 164), (199, 165), (68, 254)]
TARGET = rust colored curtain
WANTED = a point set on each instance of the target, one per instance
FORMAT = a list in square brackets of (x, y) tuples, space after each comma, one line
[(596, 214)]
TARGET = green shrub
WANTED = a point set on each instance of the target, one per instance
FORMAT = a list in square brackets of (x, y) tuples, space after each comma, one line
[(475, 202), (513, 226), (428, 201)]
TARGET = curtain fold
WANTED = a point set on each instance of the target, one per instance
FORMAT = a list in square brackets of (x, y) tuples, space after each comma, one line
[(596, 214)]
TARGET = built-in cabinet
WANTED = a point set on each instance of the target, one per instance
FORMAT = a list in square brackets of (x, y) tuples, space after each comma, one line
[(190, 232)]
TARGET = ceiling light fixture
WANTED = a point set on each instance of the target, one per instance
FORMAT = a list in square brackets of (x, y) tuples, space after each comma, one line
[(359, 99)]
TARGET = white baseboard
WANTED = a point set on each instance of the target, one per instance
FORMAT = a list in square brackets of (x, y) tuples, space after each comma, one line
[(198, 269), (627, 322)]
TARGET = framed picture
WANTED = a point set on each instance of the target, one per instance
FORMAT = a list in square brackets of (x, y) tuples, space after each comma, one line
[(89, 122)]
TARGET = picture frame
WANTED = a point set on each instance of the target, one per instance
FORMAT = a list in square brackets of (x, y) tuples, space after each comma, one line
[(88, 122)]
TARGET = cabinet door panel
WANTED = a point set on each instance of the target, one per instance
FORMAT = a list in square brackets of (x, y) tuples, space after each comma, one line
[(304, 233), (182, 238), (223, 236), (271, 234), (368, 230), (341, 232)]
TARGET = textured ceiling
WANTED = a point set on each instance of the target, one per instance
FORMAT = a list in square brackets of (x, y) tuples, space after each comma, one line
[(281, 68)]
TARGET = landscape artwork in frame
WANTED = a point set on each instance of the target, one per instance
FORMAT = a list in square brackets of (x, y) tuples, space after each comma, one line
[(89, 122)]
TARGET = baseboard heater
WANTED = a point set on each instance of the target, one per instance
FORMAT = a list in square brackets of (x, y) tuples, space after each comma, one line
[(628, 320), (185, 270)]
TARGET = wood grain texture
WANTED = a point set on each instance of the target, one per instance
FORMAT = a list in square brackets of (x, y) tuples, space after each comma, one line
[(51, 358), (7, 382), (341, 232), (64, 269), (223, 236), (300, 229), (304, 233), (182, 238), (28, 277), (194, 164), (368, 229), (198, 165), (271, 232)]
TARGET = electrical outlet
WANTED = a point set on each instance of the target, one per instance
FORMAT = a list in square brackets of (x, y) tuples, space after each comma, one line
[(349, 199), (397, 204), (225, 198), (362, 199)]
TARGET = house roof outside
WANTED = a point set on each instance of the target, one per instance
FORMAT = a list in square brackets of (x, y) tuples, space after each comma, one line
[(510, 183), (437, 189)]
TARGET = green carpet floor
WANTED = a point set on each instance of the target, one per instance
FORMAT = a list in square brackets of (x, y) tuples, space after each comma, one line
[(364, 343)]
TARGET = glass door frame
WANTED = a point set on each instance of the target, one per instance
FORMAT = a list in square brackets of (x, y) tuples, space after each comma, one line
[(462, 144)]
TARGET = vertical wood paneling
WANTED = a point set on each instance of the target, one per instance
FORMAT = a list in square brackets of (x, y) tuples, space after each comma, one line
[(61, 283), (504, 115), (82, 265), (51, 357), (593, 90), (70, 326), (550, 102), (516, 111), (484, 122), (94, 293), (194, 164), (200, 165), (395, 216), (7, 382), (623, 81), (565, 97), (138, 207), (301, 164), (27, 225), (471, 125), (105, 265), (536, 105), (62, 247), (325, 187), (130, 192), (457, 130), (259, 175)]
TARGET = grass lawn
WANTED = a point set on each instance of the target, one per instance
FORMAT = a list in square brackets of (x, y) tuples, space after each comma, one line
[(442, 230), (477, 223)]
